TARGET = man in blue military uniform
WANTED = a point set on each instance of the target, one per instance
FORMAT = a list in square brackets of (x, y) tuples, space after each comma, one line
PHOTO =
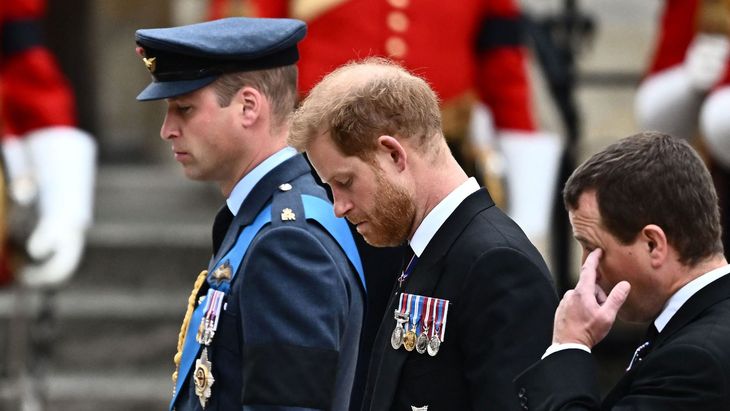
[(275, 321)]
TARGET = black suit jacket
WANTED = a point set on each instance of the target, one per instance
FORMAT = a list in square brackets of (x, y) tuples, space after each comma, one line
[(499, 321), (688, 367)]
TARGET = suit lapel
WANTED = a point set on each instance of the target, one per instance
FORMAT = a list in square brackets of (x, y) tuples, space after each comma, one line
[(423, 281), (708, 296), (428, 270), (259, 196)]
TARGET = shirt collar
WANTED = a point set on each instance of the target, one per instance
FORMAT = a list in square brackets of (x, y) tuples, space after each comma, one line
[(438, 215), (244, 186), (676, 301)]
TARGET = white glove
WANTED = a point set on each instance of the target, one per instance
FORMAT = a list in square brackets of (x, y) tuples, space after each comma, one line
[(706, 60), (715, 125), (532, 162), (64, 161), (668, 102)]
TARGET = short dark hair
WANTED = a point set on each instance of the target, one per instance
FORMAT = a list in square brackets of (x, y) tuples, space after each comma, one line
[(279, 85), (653, 178)]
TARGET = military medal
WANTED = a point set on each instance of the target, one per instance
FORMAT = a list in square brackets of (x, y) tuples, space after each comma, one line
[(396, 339), (414, 306), (409, 340), (440, 312), (203, 373), (401, 316), (420, 323), (209, 323), (422, 340), (203, 377)]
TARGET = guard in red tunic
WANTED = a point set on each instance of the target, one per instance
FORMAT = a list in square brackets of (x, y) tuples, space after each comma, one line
[(48, 162)]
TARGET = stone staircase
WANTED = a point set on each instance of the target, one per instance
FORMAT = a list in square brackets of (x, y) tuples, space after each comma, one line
[(118, 320)]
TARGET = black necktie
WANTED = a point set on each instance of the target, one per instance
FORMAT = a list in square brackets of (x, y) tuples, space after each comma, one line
[(220, 227), (643, 350)]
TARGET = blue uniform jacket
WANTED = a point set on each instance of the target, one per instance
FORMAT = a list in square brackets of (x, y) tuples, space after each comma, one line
[(288, 337)]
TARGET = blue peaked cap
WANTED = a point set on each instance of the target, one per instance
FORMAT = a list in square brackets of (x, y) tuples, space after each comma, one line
[(186, 58)]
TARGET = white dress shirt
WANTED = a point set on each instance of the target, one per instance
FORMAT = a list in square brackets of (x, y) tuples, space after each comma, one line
[(438, 215), (244, 186)]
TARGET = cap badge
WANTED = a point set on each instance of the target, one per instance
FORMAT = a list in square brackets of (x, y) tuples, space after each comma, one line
[(288, 215), (150, 63)]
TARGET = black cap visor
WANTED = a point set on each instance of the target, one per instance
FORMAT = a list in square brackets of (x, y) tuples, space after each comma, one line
[(158, 90)]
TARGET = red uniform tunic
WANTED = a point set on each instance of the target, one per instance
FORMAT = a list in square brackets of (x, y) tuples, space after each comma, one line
[(678, 27), (465, 47)]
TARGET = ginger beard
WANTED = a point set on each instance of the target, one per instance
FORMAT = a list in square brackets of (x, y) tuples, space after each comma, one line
[(391, 216)]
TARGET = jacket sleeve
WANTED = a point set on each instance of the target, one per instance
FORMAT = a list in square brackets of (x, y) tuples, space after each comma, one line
[(565, 380), (507, 315), (294, 310), (680, 377)]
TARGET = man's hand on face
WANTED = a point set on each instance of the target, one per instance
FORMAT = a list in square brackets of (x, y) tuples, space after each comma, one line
[(586, 313)]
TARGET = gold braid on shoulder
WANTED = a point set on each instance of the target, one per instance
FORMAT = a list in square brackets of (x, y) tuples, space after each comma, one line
[(186, 321)]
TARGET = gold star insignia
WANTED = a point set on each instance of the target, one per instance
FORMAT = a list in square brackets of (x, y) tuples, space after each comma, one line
[(288, 215), (150, 63)]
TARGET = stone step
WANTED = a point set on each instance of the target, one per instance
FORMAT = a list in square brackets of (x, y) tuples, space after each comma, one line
[(152, 229), (81, 391), (102, 330), (143, 263)]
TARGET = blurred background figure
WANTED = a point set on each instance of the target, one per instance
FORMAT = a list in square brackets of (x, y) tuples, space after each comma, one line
[(686, 92), (48, 166), (472, 52)]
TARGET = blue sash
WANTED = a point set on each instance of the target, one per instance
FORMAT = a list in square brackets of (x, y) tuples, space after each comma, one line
[(314, 208)]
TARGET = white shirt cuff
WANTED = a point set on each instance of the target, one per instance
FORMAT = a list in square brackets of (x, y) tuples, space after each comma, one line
[(567, 346)]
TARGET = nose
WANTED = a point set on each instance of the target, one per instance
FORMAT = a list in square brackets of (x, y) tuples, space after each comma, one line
[(341, 204), (169, 129)]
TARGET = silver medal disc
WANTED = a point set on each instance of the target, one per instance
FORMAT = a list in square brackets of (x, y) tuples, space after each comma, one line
[(396, 339), (433, 345), (421, 343)]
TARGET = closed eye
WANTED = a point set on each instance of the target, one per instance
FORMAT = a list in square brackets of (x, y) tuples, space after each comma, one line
[(344, 183), (184, 109)]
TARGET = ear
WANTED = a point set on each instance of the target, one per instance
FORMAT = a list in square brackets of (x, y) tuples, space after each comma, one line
[(393, 151), (251, 104), (656, 244)]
